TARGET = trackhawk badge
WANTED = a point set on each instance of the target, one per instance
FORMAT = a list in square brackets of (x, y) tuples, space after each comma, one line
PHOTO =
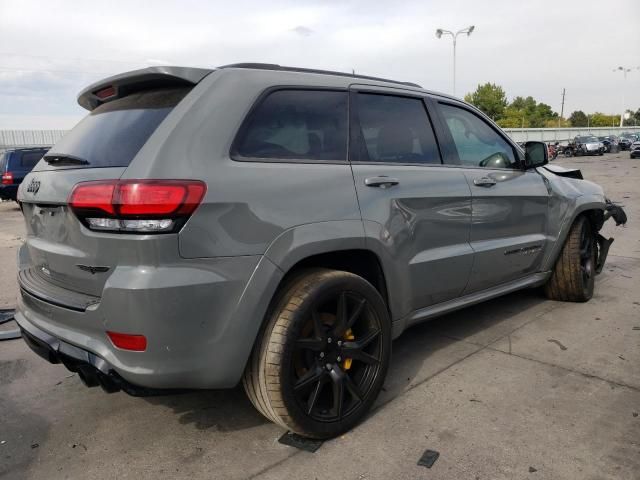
[(34, 186), (93, 269)]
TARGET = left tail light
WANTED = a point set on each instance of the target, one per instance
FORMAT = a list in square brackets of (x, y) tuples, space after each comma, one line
[(136, 206), (7, 178)]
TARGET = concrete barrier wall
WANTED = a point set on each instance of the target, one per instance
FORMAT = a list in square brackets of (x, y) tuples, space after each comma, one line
[(563, 134), (29, 138)]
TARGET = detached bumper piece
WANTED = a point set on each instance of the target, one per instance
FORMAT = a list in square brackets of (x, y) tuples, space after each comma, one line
[(603, 250), (616, 212), (620, 217), (93, 370)]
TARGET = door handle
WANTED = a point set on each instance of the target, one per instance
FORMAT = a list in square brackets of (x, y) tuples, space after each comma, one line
[(381, 181), (484, 182)]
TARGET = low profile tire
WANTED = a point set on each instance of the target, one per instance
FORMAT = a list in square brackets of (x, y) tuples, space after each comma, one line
[(323, 355), (573, 276)]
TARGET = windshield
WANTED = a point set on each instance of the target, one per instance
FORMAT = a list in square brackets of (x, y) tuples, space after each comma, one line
[(113, 133)]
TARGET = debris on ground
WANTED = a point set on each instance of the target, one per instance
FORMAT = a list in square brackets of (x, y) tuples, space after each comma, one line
[(428, 458), (635, 414), (552, 340), (6, 315), (532, 470), (294, 440)]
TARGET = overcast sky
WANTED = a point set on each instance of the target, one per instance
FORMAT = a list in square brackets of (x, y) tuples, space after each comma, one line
[(49, 50)]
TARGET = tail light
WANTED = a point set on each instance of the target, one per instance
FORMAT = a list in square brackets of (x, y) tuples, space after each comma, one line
[(7, 178), (125, 341), (136, 206)]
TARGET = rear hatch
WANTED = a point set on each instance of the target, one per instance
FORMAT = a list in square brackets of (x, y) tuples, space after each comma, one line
[(64, 251)]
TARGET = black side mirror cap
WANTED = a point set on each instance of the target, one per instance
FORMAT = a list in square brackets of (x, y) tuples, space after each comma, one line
[(535, 154)]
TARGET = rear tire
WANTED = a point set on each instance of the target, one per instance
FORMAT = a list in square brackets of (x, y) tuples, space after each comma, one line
[(573, 276), (323, 355)]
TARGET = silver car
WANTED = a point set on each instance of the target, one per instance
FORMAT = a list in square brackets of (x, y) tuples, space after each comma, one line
[(589, 145), (280, 227)]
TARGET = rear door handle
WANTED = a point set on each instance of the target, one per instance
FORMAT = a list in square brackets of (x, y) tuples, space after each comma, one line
[(381, 181), (484, 182)]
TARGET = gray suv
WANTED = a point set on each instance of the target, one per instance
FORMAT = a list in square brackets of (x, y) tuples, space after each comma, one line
[(280, 226)]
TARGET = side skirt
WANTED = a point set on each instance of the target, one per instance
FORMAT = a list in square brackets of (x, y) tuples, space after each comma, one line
[(433, 311)]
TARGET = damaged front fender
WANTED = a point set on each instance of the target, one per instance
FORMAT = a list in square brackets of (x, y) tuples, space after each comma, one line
[(569, 197)]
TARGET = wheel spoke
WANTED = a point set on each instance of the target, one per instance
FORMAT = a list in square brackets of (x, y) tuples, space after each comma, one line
[(338, 398), (360, 355), (312, 344), (362, 342), (313, 398), (352, 388), (309, 378), (356, 314)]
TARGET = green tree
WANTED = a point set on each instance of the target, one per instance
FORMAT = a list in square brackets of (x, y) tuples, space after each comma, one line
[(490, 98), (634, 118), (541, 114), (598, 119), (513, 117), (578, 119)]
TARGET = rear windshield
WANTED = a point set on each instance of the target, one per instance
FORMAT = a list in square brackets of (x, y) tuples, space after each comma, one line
[(28, 160), (113, 133)]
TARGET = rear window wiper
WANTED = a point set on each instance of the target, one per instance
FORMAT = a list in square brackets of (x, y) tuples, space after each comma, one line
[(54, 159)]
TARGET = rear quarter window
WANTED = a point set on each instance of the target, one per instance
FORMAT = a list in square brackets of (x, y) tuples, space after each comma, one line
[(113, 133), (28, 160), (295, 125)]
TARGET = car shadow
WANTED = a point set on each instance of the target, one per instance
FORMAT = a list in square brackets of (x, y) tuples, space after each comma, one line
[(221, 410), (429, 348), (413, 352)]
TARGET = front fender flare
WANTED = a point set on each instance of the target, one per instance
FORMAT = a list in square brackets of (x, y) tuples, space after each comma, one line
[(577, 207)]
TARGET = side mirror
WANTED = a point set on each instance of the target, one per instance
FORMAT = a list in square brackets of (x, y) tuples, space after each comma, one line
[(535, 154)]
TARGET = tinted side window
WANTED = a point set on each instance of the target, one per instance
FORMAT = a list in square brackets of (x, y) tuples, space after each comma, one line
[(478, 145), (395, 129), (297, 124), (28, 160)]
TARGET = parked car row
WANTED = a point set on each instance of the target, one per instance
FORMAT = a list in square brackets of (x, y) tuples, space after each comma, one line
[(592, 145), (15, 164)]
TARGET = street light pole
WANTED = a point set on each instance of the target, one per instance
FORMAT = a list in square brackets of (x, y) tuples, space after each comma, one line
[(454, 36), (624, 70)]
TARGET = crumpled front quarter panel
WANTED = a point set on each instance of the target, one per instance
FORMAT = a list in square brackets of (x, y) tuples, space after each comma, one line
[(568, 198)]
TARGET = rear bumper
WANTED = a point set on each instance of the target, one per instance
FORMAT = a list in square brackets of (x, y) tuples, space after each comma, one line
[(91, 369), (8, 192), (200, 320)]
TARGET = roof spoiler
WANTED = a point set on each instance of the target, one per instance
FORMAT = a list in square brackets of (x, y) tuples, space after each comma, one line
[(136, 80)]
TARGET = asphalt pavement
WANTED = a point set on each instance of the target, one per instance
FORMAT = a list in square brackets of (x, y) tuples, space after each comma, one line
[(519, 387)]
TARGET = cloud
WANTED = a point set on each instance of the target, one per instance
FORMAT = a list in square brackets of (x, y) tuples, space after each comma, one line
[(529, 48), (302, 30)]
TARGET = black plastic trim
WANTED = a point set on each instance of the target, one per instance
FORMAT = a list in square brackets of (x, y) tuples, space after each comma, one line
[(276, 67), (93, 370)]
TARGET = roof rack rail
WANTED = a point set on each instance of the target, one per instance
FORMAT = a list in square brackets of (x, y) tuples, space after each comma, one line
[(273, 66)]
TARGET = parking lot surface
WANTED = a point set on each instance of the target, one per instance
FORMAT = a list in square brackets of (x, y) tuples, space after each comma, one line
[(517, 387)]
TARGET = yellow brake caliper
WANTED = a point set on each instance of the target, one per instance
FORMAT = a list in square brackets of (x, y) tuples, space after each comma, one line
[(348, 335)]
